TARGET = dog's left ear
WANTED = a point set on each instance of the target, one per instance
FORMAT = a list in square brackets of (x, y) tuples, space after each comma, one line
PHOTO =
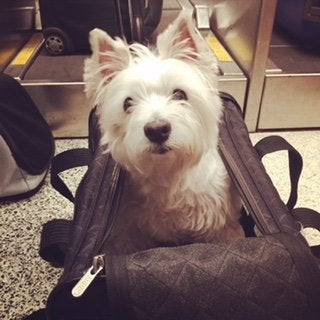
[(178, 40), (109, 57)]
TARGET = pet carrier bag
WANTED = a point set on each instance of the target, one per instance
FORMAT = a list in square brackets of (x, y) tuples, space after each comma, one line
[(270, 276), (66, 23), (26, 142)]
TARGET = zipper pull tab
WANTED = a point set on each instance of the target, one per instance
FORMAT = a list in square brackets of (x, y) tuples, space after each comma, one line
[(85, 281)]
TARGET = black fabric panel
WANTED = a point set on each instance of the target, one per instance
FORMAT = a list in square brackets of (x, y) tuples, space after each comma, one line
[(250, 278), (23, 127), (117, 281)]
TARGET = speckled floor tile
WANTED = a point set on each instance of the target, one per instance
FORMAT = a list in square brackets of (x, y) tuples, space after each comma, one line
[(308, 144), (26, 280)]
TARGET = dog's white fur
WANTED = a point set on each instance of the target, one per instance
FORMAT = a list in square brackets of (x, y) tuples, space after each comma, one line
[(178, 190)]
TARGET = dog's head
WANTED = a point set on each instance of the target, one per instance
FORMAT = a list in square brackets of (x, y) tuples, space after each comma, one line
[(157, 106)]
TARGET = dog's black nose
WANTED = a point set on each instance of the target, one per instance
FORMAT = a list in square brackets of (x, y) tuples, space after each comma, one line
[(157, 131)]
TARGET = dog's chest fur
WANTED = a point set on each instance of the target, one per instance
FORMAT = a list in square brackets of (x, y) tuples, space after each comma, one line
[(179, 212)]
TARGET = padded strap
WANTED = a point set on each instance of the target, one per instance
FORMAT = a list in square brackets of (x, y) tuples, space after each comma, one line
[(64, 161), (55, 237), (276, 143)]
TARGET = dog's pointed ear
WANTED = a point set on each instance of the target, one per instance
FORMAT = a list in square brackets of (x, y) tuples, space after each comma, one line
[(178, 40), (108, 57)]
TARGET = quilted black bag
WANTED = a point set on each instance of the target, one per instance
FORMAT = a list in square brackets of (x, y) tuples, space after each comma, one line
[(270, 274), (26, 142)]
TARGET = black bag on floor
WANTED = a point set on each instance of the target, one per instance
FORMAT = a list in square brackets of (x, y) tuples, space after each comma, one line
[(272, 276), (66, 23), (26, 142)]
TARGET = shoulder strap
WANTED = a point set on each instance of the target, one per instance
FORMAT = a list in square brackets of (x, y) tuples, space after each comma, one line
[(55, 237), (276, 143), (64, 161), (55, 233)]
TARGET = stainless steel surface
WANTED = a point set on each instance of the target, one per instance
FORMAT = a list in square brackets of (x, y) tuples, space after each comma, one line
[(277, 88), (171, 9), (291, 97), (64, 106), (290, 101), (236, 23), (245, 28), (22, 61), (231, 78), (16, 20), (259, 63), (10, 45), (234, 85), (55, 83), (202, 14), (23, 18)]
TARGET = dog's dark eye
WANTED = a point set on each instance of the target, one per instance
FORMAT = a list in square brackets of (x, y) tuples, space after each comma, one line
[(179, 94), (127, 104)]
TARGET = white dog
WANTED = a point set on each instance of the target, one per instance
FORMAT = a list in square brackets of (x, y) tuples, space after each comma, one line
[(159, 114)]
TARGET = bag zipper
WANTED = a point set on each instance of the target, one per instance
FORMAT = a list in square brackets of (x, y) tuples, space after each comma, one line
[(245, 190), (98, 261), (85, 281), (111, 208)]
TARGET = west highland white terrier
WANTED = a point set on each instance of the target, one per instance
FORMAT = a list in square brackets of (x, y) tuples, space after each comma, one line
[(159, 112)]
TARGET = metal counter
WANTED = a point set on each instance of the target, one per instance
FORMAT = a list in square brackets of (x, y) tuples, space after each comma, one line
[(291, 96), (55, 82)]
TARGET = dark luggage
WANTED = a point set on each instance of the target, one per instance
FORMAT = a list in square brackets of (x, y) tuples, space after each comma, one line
[(270, 276), (66, 23), (300, 19), (26, 142)]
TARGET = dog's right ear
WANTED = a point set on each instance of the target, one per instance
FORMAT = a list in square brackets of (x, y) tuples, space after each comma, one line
[(109, 57)]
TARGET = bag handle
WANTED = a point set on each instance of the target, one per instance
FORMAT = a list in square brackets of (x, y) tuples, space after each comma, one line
[(55, 237), (272, 144), (306, 216), (55, 233), (64, 161)]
